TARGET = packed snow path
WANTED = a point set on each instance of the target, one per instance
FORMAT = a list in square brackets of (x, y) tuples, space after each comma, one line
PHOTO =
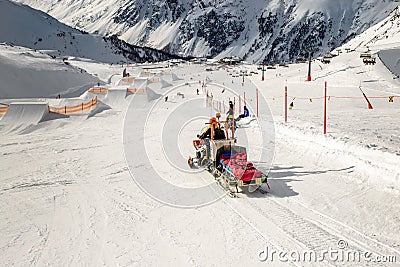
[(74, 202)]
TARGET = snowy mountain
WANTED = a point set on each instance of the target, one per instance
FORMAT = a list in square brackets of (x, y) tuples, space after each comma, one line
[(384, 34), (382, 40), (34, 29), (256, 30)]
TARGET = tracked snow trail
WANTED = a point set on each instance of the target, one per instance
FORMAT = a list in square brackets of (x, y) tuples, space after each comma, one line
[(305, 222), (76, 204), (328, 206)]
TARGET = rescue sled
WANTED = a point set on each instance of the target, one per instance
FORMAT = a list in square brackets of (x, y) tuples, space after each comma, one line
[(228, 163)]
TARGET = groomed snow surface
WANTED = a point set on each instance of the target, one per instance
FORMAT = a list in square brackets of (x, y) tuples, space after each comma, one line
[(68, 197)]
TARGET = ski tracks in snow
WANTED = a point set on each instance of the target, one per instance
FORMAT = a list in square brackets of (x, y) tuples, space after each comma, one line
[(290, 225)]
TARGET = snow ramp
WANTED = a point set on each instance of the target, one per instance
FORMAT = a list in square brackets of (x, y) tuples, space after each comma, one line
[(151, 95), (139, 83), (116, 97), (24, 113), (159, 86), (170, 77)]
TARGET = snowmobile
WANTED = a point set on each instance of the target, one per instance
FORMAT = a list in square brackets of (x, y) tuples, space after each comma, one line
[(228, 163), (245, 122)]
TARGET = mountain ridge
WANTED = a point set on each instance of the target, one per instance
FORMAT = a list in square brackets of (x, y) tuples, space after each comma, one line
[(268, 30), (35, 29)]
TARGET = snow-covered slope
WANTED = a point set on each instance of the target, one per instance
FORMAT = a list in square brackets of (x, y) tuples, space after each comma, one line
[(255, 30), (27, 73), (382, 40), (72, 192), (74, 201), (34, 29), (385, 34)]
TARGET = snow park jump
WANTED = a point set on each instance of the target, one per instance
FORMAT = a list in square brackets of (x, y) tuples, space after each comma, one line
[(25, 113)]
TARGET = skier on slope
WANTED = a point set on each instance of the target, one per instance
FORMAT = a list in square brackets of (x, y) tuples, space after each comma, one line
[(230, 111), (230, 118), (244, 115)]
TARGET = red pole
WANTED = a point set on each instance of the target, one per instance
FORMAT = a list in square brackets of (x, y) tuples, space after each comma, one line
[(366, 98), (309, 69), (233, 126), (257, 101), (240, 105), (325, 108), (233, 119), (263, 70), (285, 103)]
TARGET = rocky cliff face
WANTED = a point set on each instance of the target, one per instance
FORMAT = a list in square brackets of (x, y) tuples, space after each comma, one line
[(271, 30)]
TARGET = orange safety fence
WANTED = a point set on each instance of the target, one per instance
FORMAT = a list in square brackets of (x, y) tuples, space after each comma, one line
[(98, 90), (3, 110), (390, 98), (105, 90), (145, 73), (165, 73), (128, 80), (136, 90), (73, 109), (221, 105)]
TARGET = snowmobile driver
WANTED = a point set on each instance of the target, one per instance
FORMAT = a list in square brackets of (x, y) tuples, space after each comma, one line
[(213, 131)]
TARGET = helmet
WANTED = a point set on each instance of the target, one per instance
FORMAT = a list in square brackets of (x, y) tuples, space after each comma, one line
[(218, 115), (212, 120)]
